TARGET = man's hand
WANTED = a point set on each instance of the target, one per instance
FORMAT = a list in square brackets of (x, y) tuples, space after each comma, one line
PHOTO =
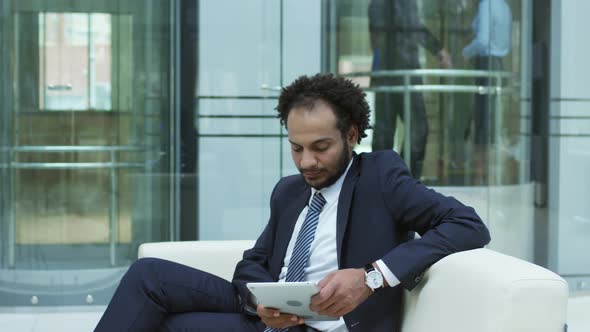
[(340, 292), (444, 59), (274, 318)]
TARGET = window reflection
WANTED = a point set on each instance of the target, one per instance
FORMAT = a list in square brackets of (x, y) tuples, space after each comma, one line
[(75, 61), (376, 40)]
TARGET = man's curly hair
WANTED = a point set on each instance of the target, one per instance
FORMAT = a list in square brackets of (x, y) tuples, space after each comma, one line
[(346, 99)]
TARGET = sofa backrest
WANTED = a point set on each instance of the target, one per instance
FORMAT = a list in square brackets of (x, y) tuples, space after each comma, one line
[(216, 257)]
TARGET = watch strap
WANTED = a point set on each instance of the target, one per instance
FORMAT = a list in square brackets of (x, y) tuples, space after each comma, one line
[(368, 267)]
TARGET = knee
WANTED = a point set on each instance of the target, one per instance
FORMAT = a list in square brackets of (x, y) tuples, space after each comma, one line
[(142, 269)]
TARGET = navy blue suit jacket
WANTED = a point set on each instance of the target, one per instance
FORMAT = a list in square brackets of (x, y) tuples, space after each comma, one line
[(380, 204)]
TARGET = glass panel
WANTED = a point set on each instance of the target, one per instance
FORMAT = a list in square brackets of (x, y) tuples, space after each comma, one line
[(257, 22), (239, 137), (85, 147), (447, 82), (89, 152)]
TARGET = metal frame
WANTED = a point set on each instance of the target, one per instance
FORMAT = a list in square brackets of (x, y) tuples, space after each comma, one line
[(113, 166), (174, 185)]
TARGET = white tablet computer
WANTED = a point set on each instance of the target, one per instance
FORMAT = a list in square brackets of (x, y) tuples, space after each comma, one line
[(288, 297)]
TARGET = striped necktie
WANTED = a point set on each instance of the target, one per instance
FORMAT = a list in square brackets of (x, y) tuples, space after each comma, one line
[(301, 251)]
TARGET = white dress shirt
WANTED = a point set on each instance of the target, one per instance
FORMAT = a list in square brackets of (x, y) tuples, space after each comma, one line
[(492, 27), (323, 258)]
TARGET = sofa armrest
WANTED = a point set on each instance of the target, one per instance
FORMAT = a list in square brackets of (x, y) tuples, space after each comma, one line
[(483, 290), (216, 257)]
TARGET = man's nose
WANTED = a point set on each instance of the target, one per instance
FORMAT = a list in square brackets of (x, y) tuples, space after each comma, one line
[(308, 160)]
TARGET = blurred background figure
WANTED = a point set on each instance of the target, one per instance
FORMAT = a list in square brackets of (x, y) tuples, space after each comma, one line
[(492, 29), (396, 34)]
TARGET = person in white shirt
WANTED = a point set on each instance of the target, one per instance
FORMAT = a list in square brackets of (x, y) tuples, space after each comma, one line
[(492, 28)]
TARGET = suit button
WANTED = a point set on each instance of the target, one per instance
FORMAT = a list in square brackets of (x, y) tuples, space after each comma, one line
[(417, 279)]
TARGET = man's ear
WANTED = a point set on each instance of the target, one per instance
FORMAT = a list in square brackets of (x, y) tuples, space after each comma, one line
[(353, 136)]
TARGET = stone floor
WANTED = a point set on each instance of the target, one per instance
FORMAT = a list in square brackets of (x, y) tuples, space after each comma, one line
[(80, 319)]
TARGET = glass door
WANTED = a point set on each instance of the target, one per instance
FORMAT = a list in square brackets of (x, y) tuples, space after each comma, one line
[(86, 145), (238, 134), (247, 50), (449, 85)]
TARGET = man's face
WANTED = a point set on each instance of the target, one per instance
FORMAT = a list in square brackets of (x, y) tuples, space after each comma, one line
[(317, 147)]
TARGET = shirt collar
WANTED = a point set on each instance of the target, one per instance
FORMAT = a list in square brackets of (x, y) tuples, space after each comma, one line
[(332, 192)]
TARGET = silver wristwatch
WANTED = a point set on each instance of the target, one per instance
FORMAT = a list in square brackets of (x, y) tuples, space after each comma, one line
[(373, 278)]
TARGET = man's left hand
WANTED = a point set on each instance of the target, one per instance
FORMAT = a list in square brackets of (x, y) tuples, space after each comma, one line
[(340, 292)]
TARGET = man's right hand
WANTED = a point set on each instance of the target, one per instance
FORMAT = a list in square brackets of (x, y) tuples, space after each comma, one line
[(444, 59), (275, 319)]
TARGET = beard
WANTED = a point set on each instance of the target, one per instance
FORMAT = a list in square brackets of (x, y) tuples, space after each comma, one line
[(342, 165)]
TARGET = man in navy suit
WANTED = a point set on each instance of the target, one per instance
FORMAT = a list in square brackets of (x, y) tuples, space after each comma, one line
[(361, 254)]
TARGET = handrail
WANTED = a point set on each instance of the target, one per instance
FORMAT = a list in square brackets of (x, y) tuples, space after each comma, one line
[(270, 88), (73, 148), (70, 149), (479, 89), (433, 72), (81, 165), (454, 73)]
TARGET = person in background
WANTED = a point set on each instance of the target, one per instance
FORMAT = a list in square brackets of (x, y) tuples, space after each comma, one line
[(396, 33), (492, 29)]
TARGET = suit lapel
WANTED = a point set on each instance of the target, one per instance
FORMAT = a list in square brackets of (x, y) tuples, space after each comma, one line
[(344, 201)]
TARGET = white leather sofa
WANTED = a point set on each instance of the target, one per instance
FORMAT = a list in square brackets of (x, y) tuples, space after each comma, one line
[(474, 291)]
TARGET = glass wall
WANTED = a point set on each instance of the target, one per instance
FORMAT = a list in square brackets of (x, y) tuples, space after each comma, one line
[(85, 145), (242, 149), (449, 87), (126, 122), (123, 122)]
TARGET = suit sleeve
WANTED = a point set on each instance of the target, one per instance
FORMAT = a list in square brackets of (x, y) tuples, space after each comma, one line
[(445, 225), (254, 264)]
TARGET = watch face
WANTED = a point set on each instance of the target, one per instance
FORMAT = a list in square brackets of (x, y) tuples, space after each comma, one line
[(374, 279)]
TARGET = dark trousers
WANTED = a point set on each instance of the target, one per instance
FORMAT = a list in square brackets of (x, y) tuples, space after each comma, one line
[(484, 120), (485, 104), (388, 106), (159, 295)]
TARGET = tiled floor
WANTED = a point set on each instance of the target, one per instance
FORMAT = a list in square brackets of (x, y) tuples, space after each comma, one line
[(63, 319), (578, 313), (81, 319)]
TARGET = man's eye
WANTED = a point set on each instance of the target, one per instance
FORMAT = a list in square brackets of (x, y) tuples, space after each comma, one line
[(296, 148)]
